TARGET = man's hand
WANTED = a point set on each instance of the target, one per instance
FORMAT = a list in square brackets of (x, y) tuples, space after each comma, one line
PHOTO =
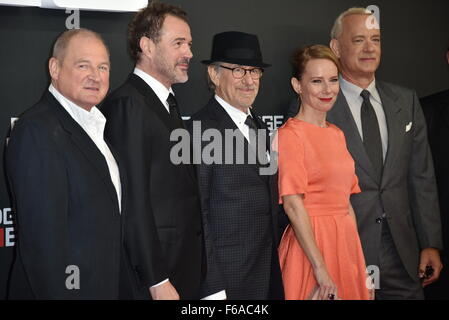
[(164, 291), (430, 257)]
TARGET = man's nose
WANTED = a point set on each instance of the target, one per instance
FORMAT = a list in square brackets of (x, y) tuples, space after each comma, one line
[(188, 52), (369, 46), (94, 74), (247, 78)]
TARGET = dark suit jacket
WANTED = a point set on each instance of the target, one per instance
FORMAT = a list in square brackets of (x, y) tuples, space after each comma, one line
[(239, 210), (66, 208), (163, 219), (436, 111), (407, 193)]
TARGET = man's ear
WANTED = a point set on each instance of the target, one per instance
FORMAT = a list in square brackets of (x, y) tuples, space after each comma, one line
[(53, 68), (213, 75), (296, 85), (335, 47), (146, 46), (447, 56)]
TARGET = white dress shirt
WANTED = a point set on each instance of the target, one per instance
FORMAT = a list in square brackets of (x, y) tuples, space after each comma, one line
[(159, 89), (355, 100), (93, 123), (239, 118)]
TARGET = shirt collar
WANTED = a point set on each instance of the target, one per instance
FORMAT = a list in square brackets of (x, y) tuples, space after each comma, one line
[(159, 89), (238, 116), (80, 115), (352, 90)]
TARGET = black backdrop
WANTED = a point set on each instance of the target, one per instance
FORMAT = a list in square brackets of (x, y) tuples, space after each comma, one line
[(415, 37)]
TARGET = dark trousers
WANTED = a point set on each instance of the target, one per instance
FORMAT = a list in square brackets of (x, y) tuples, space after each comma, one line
[(276, 291), (395, 282), (126, 289)]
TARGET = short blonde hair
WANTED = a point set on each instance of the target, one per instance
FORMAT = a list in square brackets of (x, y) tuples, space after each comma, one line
[(338, 24)]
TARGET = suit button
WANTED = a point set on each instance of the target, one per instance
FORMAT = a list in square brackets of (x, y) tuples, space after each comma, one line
[(379, 220)]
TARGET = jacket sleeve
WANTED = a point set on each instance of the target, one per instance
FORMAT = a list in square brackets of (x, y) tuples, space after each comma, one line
[(422, 184)]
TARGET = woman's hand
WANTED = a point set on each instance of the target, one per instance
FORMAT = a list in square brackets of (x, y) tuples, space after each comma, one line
[(327, 289)]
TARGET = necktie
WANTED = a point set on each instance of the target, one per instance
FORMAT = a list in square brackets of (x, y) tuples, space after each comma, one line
[(371, 134), (174, 112), (251, 123), (252, 126)]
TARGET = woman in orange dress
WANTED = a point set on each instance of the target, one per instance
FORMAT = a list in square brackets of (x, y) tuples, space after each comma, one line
[(320, 252)]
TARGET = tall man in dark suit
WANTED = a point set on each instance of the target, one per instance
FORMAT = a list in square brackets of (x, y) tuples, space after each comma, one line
[(239, 204), (436, 111), (65, 182), (162, 199), (397, 211)]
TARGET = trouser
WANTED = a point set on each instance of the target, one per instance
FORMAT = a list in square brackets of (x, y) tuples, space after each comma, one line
[(395, 282)]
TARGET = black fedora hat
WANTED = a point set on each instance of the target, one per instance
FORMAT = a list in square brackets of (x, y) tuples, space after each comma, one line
[(238, 48)]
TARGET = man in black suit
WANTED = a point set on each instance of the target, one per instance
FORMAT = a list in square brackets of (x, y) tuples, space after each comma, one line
[(397, 210), (65, 183), (239, 202), (163, 219), (436, 111)]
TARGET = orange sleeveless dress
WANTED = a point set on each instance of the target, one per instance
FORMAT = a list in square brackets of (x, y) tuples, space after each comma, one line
[(314, 161)]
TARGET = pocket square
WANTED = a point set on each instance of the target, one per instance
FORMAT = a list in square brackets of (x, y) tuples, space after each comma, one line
[(408, 127)]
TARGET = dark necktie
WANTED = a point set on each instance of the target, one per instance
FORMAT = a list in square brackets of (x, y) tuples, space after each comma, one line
[(251, 123), (371, 134), (174, 112)]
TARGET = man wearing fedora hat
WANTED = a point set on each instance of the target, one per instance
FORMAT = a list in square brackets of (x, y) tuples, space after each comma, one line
[(239, 204)]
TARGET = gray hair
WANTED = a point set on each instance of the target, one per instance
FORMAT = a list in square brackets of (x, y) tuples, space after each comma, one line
[(62, 42), (338, 24), (210, 84)]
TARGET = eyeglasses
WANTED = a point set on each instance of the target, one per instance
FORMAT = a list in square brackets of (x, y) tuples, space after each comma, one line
[(240, 73)]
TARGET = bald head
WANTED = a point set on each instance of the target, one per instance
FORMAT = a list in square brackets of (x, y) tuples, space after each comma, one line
[(62, 42)]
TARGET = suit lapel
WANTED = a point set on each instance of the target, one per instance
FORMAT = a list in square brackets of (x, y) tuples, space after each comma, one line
[(122, 174), (396, 127), (224, 121), (342, 117), (263, 126), (152, 100), (85, 144)]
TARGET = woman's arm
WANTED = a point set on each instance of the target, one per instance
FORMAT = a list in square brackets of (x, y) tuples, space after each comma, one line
[(300, 222)]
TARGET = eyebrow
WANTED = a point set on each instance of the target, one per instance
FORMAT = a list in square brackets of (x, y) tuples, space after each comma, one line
[(364, 36), (88, 61), (82, 60), (323, 77)]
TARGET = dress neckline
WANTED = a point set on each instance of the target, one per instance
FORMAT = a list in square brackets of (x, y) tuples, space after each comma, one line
[(328, 124)]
